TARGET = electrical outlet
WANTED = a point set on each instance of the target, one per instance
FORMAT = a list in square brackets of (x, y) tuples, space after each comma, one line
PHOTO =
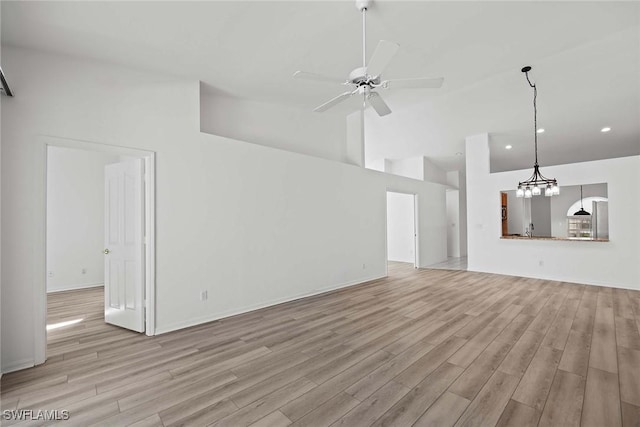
[(84, 271), (541, 263), (204, 295), (364, 266), (50, 273)]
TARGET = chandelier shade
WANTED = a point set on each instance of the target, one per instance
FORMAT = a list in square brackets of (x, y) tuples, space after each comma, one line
[(536, 183)]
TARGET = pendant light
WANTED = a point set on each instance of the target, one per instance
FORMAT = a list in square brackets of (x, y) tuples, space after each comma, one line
[(536, 182), (581, 211)]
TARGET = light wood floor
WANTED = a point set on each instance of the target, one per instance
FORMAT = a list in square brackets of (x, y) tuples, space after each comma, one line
[(422, 347), (452, 263)]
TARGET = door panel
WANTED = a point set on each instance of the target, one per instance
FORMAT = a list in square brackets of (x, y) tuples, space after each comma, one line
[(129, 210), (124, 244), (112, 210), (111, 270), (130, 285)]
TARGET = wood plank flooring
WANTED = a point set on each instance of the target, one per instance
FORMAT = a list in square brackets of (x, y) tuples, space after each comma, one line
[(421, 347), (452, 263)]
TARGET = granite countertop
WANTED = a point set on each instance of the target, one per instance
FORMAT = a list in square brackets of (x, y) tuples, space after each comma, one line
[(564, 239)]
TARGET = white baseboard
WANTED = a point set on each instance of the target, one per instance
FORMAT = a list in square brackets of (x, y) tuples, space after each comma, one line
[(591, 283), (247, 309), (572, 280), (75, 287), (18, 365)]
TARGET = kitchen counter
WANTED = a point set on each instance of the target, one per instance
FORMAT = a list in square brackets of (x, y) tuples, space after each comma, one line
[(564, 239)]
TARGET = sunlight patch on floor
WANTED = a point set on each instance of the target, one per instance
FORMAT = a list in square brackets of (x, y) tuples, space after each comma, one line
[(63, 324)]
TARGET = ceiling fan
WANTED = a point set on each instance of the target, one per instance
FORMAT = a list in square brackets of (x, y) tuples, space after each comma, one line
[(367, 79)]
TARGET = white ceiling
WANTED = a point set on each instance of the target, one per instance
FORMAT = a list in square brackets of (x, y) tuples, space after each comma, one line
[(586, 59)]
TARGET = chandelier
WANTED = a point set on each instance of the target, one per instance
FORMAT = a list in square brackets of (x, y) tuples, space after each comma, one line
[(536, 182)]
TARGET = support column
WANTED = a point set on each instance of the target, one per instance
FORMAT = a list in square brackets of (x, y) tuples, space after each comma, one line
[(478, 221)]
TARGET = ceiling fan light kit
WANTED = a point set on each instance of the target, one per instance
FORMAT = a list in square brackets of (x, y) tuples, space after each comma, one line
[(536, 182), (367, 79)]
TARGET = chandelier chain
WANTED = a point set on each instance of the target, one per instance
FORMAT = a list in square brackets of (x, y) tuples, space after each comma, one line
[(535, 115)]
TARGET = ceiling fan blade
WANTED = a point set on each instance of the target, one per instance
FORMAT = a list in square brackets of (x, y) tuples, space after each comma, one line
[(335, 101), (385, 51), (378, 104), (304, 75), (413, 83)]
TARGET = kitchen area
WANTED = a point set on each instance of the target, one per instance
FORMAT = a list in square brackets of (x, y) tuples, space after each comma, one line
[(578, 213)]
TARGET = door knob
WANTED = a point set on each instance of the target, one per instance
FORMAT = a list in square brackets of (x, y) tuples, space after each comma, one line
[(106, 251)]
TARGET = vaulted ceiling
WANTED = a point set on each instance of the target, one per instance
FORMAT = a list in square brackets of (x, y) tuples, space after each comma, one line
[(586, 59)]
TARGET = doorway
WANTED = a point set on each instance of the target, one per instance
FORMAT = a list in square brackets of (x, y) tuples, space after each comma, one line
[(453, 220), (76, 225), (75, 218), (402, 228)]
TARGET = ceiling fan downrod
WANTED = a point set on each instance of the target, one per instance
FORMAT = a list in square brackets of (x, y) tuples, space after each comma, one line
[(362, 6)]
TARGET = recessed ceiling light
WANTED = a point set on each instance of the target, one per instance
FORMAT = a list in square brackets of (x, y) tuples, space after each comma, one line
[(508, 147), (605, 129), (540, 130)]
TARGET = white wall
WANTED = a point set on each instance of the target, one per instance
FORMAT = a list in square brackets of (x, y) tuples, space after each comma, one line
[(411, 168), (400, 227), (251, 224), (274, 125), (377, 165), (433, 173), (462, 193), (75, 217), (355, 138), (613, 263)]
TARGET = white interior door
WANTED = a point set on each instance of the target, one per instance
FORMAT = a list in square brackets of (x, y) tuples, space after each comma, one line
[(124, 245)]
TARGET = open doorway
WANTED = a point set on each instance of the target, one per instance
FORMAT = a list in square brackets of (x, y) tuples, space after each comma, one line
[(402, 229), (75, 218), (453, 220), (96, 197), (456, 232), (74, 240)]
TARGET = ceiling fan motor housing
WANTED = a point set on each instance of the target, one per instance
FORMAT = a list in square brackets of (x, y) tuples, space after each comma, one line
[(362, 4), (359, 77), (364, 90)]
